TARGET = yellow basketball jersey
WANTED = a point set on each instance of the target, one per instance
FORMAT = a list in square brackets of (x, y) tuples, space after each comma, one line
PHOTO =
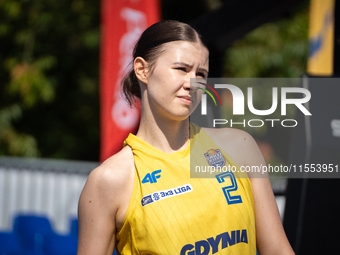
[(171, 213)]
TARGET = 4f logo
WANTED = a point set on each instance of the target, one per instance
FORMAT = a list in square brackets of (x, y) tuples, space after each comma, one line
[(152, 178)]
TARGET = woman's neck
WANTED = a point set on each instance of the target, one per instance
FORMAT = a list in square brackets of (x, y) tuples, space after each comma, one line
[(166, 135)]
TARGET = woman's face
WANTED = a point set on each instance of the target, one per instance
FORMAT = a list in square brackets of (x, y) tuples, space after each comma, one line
[(168, 84)]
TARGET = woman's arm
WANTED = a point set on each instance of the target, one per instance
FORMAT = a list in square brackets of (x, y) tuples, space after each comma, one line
[(103, 204), (96, 216), (271, 238)]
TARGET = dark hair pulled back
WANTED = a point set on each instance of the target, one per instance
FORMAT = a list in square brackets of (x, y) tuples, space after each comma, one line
[(150, 46)]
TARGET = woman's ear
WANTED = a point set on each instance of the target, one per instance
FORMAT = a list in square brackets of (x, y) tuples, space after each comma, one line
[(141, 69)]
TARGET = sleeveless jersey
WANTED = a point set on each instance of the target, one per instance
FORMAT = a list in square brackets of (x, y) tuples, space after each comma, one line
[(171, 213)]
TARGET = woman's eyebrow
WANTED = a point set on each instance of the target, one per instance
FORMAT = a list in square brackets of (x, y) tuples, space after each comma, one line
[(183, 63), (187, 65)]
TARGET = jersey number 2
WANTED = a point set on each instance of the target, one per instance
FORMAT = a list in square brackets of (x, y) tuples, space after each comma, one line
[(236, 199)]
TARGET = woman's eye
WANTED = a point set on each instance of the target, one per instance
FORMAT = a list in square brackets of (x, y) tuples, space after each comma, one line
[(201, 75), (181, 69)]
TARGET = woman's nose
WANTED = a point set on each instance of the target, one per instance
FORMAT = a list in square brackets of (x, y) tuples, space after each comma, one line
[(190, 80), (187, 83)]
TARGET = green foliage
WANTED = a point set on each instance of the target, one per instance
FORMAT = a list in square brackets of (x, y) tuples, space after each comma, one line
[(49, 70), (274, 50), (12, 142), (30, 83), (278, 49), (49, 59)]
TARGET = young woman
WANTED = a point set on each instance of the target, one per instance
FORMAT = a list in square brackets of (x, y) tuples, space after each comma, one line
[(143, 201)]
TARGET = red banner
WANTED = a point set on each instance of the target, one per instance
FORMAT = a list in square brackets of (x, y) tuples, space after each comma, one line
[(122, 23)]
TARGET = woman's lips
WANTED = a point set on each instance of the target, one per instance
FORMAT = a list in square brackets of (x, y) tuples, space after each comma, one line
[(185, 99)]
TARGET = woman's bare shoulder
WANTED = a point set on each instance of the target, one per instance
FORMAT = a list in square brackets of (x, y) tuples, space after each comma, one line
[(239, 144), (230, 137), (115, 170), (226, 133), (103, 202), (107, 182)]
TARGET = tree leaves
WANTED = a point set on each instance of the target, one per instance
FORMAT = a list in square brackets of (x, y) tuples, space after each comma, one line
[(49, 55)]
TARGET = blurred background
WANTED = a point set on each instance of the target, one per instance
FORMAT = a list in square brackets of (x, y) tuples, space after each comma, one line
[(55, 70), (49, 86)]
